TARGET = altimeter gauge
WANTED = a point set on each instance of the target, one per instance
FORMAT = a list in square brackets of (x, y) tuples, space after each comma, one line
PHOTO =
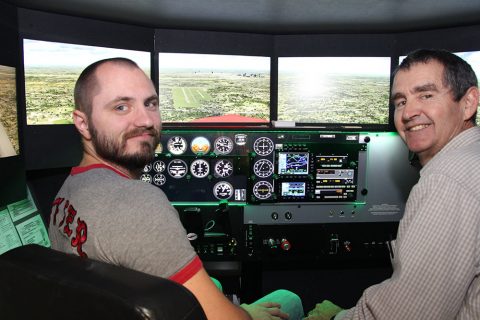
[(223, 145)]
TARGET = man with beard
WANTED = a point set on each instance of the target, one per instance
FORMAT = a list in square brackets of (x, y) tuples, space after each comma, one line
[(104, 212)]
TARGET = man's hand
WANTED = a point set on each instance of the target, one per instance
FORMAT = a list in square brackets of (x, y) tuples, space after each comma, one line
[(265, 311), (323, 311)]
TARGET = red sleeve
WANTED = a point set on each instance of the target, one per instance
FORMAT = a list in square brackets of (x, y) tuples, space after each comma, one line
[(188, 271)]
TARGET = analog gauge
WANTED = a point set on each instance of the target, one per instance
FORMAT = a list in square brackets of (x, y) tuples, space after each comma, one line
[(263, 168), (159, 166), (223, 190), (200, 168), (177, 145), (262, 190), (146, 178), (223, 168), (159, 179), (263, 146), (147, 167), (223, 145), (200, 145), (177, 168)]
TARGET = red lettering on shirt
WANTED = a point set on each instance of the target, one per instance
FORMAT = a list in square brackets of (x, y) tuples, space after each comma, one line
[(69, 213), (80, 237), (65, 208), (56, 203), (70, 216)]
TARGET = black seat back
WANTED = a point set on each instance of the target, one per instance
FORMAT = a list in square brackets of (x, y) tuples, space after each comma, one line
[(41, 283)]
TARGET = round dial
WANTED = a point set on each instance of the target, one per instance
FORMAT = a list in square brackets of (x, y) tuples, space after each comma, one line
[(177, 145), (159, 179), (200, 168), (223, 190), (159, 166), (223, 168), (263, 168), (262, 190), (263, 146), (200, 145), (147, 167), (223, 145), (177, 168), (146, 178)]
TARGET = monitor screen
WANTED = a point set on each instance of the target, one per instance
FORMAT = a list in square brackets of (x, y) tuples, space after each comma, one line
[(51, 70), (9, 145), (334, 90), (214, 88), (293, 189), (293, 163)]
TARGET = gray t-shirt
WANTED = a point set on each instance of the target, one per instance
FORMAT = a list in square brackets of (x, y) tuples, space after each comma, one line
[(101, 214)]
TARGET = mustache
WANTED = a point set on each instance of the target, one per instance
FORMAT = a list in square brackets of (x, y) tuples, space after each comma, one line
[(141, 131)]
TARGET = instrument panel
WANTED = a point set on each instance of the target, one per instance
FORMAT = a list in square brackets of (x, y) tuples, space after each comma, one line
[(286, 176), (255, 167)]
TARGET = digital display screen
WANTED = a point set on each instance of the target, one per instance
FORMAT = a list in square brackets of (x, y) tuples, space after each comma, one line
[(334, 90), (293, 189), (294, 163), (51, 70), (9, 145), (214, 88)]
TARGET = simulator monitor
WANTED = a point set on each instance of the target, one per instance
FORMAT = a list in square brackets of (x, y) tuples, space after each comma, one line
[(334, 90), (51, 70), (213, 88)]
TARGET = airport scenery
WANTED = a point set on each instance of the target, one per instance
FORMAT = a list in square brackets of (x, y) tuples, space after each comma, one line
[(202, 87)]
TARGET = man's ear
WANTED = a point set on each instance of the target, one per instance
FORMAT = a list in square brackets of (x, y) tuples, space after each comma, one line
[(470, 102), (81, 123)]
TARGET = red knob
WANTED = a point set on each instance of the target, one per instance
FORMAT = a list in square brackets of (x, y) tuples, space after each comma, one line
[(285, 245)]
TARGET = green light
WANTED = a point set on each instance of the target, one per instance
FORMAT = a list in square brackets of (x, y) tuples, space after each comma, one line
[(203, 204)]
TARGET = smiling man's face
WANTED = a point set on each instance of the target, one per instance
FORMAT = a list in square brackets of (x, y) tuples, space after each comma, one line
[(426, 115)]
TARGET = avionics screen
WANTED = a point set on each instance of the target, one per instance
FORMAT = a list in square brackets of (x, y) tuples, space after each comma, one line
[(9, 145), (293, 189), (214, 88), (293, 163), (51, 70), (334, 90)]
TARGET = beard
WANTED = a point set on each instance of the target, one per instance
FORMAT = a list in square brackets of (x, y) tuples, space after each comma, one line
[(113, 151)]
